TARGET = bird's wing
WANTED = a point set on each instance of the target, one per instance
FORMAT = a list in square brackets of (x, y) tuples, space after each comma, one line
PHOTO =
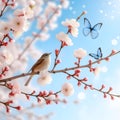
[(36, 64)]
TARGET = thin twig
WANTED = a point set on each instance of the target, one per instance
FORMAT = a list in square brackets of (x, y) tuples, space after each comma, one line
[(5, 6), (93, 88), (17, 76)]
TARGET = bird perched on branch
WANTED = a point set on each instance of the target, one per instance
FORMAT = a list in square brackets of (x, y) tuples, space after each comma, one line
[(42, 64)]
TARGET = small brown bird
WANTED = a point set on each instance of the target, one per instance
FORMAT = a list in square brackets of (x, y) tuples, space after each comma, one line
[(42, 64)]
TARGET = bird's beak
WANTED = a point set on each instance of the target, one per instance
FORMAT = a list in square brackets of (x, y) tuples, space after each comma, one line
[(49, 53)]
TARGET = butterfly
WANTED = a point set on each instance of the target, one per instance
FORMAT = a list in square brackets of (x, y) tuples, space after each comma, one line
[(93, 31), (98, 55)]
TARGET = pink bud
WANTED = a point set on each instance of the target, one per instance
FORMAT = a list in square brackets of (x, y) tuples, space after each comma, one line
[(38, 100), (45, 93), (110, 89), (90, 62), (85, 87), (40, 94), (7, 109), (1, 75), (5, 43), (48, 101), (105, 96), (28, 97), (85, 79), (103, 86), (113, 52), (77, 71), (91, 87), (79, 83), (107, 58), (18, 107), (91, 69), (10, 40), (64, 44), (11, 94), (10, 86), (58, 61), (84, 12), (76, 63), (9, 102), (57, 52), (51, 92), (33, 92), (68, 77), (112, 98), (6, 68)]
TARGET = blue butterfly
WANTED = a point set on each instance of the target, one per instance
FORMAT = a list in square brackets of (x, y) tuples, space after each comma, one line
[(93, 31), (98, 55)]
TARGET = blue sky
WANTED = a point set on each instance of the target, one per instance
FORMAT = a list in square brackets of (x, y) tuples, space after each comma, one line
[(92, 106)]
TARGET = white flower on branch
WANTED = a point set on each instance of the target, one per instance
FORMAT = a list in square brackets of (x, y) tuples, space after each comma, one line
[(50, 8), (8, 57), (80, 53), (72, 25), (42, 20), (65, 3), (4, 27), (67, 89), (64, 38), (45, 78), (19, 12), (19, 24)]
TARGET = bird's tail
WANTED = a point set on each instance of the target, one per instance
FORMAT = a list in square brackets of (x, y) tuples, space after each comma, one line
[(28, 81)]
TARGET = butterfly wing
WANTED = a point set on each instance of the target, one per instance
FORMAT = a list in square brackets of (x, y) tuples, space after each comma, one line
[(97, 26), (95, 56), (87, 28), (94, 34), (95, 29), (86, 31), (99, 53)]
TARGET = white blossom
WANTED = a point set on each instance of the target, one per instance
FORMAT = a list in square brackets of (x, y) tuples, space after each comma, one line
[(8, 56), (44, 36), (28, 12), (4, 27), (72, 25), (18, 24), (80, 53), (19, 12), (67, 89), (65, 3), (45, 78), (42, 20), (50, 8), (64, 38)]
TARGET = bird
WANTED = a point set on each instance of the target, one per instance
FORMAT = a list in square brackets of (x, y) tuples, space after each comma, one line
[(42, 64)]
